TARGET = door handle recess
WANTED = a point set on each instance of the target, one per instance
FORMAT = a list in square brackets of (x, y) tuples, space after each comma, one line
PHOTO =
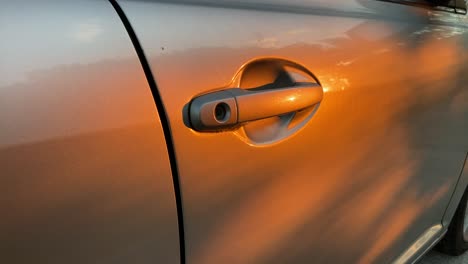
[(228, 108)]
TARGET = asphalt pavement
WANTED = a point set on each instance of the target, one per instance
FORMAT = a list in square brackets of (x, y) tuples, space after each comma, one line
[(434, 257)]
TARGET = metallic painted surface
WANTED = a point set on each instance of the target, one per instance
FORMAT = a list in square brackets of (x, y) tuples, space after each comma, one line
[(84, 171), (460, 189), (370, 172)]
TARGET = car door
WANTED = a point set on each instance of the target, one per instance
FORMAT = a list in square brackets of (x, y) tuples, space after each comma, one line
[(85, 175), (355, 175)]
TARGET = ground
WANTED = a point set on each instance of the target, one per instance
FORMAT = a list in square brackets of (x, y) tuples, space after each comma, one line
[(434, 257)]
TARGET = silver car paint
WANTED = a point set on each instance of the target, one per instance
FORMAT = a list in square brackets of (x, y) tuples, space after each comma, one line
[(84, 171), (369, 174)]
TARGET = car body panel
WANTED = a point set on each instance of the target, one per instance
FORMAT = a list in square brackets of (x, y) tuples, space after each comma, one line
[(462, 186), (372, 170), (85, 173)]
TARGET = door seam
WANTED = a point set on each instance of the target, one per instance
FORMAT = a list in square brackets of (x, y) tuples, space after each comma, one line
[(164, 123)]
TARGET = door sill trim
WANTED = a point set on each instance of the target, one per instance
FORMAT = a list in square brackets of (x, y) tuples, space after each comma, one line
[(422, 245)]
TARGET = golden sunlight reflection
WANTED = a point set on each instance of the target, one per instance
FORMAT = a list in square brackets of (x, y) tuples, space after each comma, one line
[(334, 84), (365, 185), (85, 174), (371, 171)]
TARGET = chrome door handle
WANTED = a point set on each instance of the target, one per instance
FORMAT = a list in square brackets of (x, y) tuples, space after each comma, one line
[(228, 108)]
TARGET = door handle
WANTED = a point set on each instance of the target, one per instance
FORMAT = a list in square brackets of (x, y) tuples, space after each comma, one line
[(229, 108)]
